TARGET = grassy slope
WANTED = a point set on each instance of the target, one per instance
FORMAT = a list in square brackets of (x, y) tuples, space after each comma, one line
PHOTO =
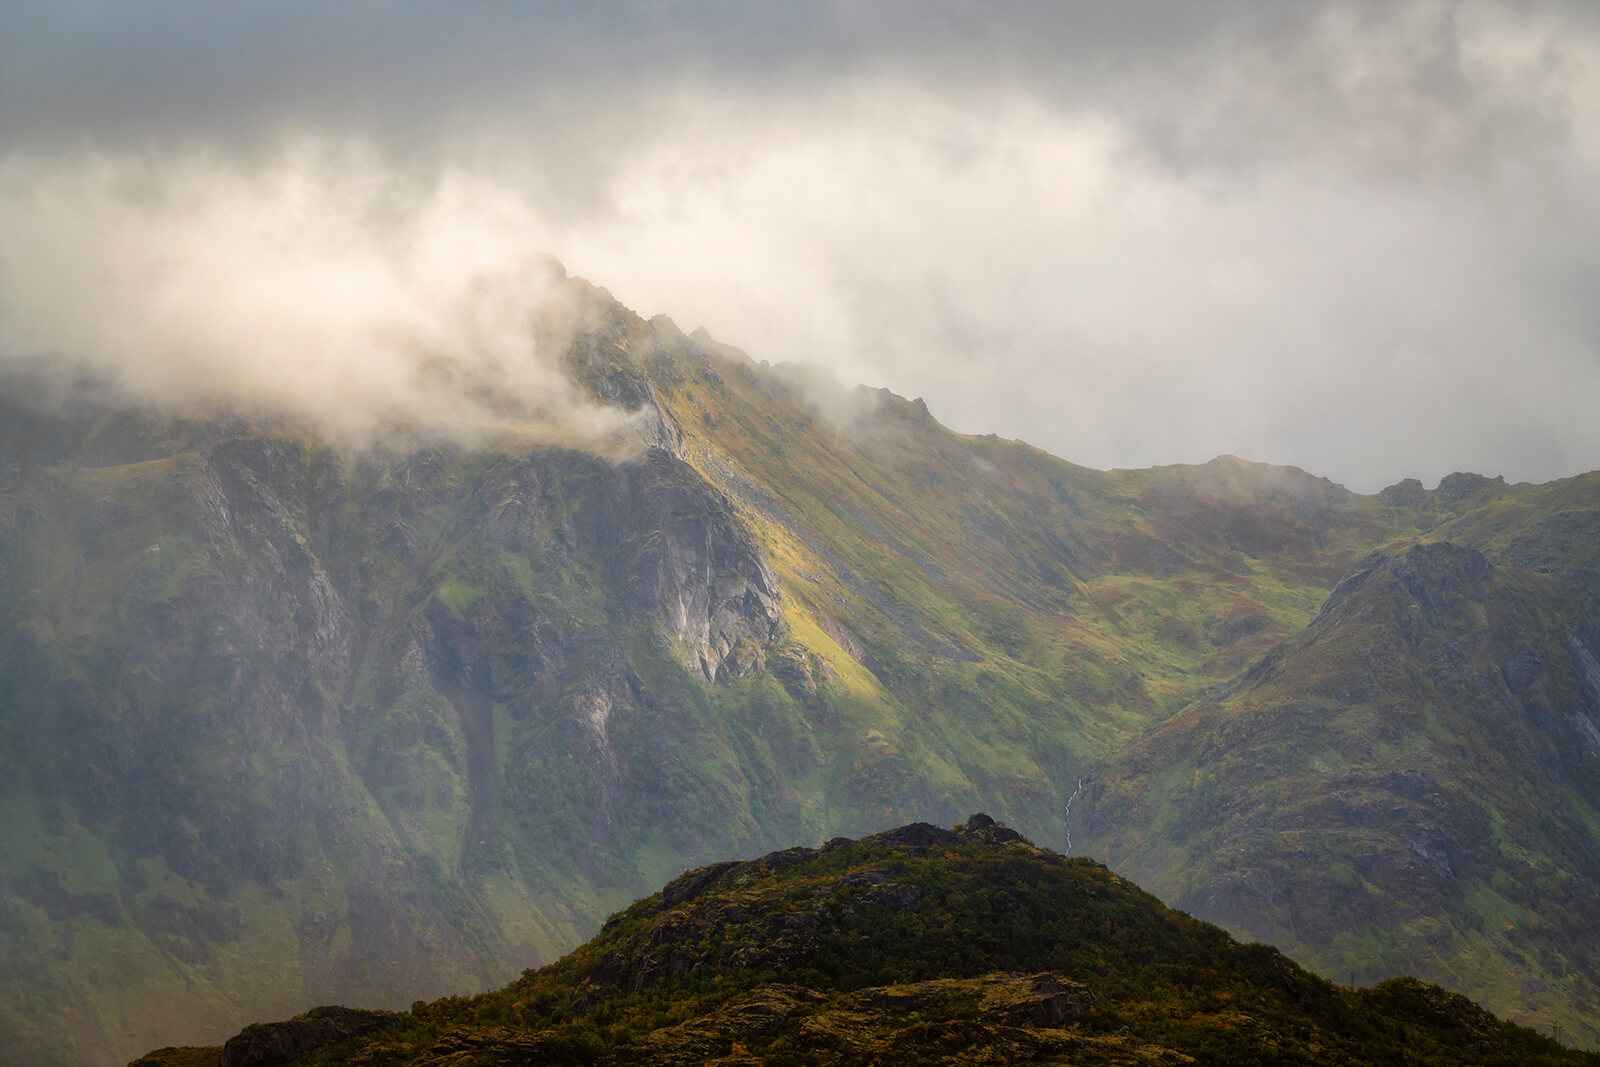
[(1024, 613), (1121, 596), (1403, 787)]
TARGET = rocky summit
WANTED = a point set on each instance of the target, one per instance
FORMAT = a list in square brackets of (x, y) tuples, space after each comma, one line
[(917, 945)]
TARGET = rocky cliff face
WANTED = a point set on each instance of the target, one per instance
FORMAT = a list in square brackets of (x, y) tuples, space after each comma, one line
[(679, 551), (281, 693)]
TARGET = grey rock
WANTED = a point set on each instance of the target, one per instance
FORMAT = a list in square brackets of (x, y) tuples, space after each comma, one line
[(281, 1043)]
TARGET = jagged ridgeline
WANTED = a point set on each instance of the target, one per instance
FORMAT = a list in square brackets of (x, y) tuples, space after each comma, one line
[(918, 945), (285, 721)]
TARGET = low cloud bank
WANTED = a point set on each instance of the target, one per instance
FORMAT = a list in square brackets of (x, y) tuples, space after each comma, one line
[(322, 287), (1354, 237)]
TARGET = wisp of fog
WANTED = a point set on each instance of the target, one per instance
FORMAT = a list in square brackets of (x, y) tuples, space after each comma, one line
[(323, 288)]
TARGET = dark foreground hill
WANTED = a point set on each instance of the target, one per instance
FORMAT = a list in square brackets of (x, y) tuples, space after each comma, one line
[(917, 945)]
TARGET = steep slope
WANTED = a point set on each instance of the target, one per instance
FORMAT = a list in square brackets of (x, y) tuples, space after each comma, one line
[(285, 723), (1412, 783), (270, 715), (918, 945)]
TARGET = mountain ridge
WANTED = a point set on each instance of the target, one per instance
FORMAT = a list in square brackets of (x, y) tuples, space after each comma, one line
[(288, 723)]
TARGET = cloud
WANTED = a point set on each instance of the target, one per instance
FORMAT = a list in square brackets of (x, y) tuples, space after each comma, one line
[(1038, 273), (1356, 237), (324, 288)]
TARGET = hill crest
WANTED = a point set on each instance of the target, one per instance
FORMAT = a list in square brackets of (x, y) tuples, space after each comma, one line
[(919, 945)]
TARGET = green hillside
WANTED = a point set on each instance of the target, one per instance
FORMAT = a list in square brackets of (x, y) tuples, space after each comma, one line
[(1409, 784)]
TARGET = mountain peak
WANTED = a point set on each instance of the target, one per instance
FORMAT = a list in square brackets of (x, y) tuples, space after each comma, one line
[(1457, 486)]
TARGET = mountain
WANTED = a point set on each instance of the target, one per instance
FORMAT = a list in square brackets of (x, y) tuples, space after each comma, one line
[(917, 945), (285, 721), (1408, 784)]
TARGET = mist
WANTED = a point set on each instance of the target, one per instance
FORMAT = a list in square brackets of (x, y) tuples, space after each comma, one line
[(1355, 238), (322, 287)]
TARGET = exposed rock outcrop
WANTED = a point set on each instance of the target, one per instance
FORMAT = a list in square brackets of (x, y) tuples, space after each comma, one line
[(682, 553), (281, 1043)]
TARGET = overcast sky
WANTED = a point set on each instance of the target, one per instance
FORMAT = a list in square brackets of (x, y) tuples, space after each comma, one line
[(1360, 238)]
